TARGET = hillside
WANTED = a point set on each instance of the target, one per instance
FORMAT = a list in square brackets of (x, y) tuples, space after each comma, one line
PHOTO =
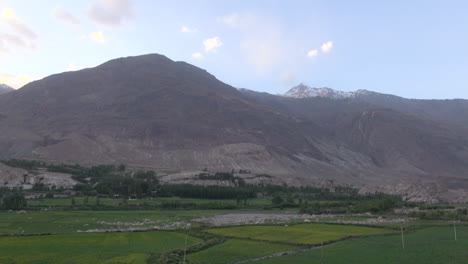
[(151, 111)]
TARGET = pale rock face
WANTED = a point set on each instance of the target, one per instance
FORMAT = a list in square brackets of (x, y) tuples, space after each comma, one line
[(304, 91)]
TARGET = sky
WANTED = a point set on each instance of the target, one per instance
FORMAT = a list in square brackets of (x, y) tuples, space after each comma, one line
[(414, 49)]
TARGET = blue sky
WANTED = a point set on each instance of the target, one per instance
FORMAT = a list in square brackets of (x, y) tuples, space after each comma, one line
[(415, 49)]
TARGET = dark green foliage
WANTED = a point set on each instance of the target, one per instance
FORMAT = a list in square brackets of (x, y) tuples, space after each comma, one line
[(376, 205), (24, 164), (13, 200), (277, 200), (207, 192), (459, 214)]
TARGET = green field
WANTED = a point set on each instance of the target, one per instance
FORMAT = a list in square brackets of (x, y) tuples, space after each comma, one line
[(237, 250), (71, 221), (298, 234), (429, 245), (127, 247)]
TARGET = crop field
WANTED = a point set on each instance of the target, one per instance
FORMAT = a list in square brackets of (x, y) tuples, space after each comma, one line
[(125, 247), (72, 221), (429, 245), (237, 250), (299, 234)]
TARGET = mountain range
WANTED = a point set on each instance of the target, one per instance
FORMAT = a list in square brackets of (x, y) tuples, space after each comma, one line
[(154, 112)]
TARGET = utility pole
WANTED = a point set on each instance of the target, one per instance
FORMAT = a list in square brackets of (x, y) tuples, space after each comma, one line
[(321, 260), (455, 230), (402, 238), (185, 248)]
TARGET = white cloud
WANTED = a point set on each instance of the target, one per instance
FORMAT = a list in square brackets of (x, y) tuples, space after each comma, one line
[(72, 66), (261, 41), (111, 13), (312, 53), (98, 36), (64, 16), (15, 81), (185, 29), (288, 78), (212, 44), (9, 17), (10, 40), (197, 55), (233, 20), (327, 46)]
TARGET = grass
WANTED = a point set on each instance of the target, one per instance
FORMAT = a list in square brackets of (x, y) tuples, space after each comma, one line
[(237, 250), (35, 222), (126, 247), (429, 245), (298, 234)]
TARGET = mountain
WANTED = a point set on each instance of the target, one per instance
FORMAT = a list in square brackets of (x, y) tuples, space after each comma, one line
[(5, 89), (304, 91), (154, 112), (447, 111)]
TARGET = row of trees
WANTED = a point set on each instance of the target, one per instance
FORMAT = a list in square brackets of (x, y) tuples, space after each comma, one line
[(12, 199)]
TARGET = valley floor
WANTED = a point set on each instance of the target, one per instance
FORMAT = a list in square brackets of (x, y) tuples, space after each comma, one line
[(225, 236)]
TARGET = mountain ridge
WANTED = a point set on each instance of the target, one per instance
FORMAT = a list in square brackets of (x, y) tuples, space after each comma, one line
[(151, 111)]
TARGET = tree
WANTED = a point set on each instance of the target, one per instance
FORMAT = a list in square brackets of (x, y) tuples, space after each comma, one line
[(277, 200), (14, 201)]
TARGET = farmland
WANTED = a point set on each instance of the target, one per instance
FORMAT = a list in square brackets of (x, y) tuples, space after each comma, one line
[(127, 247), (237, 250), (229, 244), (429, 245), (306, 234), (114, 217)]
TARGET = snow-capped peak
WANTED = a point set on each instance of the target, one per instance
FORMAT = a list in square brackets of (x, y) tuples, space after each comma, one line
[(304, 91)]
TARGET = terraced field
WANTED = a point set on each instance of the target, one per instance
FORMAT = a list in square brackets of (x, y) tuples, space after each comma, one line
[(305, 234), (430, 245), (237, 250), (126, 247)]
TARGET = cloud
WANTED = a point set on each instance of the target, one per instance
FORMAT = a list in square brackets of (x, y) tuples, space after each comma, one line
[(111, 13), (197, 55), (233, 20), (72, 66), (212, 44), (15, 81), (327, 46), (185, 29), (9, 17), (14, 41), (312, 53), (98, 36), (288, 78), (65, 17), (3, 48), (261, 41)]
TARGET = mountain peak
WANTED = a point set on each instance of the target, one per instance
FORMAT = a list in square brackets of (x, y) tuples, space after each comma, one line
[(5, 88), (304, 91)]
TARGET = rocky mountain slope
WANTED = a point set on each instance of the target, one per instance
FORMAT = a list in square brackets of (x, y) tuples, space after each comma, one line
[(447, 111), (154, 112)]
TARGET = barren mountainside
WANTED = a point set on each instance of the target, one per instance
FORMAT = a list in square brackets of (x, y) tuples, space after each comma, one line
[(152, 111)]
